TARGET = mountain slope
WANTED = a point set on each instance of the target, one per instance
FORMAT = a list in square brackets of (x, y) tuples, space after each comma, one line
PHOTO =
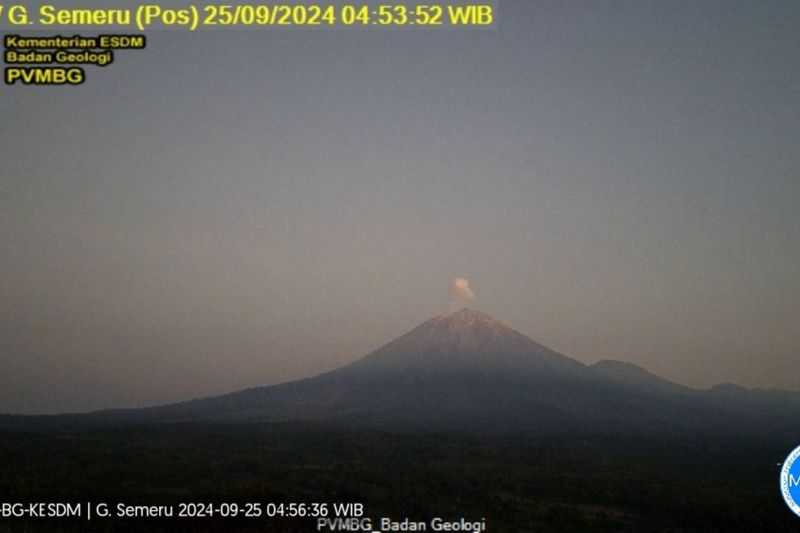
[(466, 371), (636, 377), (452, 371), (462, 342)]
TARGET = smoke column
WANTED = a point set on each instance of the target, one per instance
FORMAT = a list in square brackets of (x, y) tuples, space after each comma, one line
[(461, 294)]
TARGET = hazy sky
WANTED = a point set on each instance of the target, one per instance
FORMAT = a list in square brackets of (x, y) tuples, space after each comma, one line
[(616, 179)]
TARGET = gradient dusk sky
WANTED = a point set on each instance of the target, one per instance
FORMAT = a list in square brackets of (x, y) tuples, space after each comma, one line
[(616, 179)]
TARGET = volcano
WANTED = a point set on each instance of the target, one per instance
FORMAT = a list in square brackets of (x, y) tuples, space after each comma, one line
[(464, 342), (467, 371)]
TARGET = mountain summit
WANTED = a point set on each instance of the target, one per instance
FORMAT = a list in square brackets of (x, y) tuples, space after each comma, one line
[(466, 317), (465, 341), (469, 372)]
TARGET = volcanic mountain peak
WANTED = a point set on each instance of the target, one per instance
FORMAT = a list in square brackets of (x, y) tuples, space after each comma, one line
[(465, 339), (464, 330), (468, 371), (467, 318)]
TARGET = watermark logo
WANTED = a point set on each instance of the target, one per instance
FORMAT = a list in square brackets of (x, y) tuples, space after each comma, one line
[(790, 481)]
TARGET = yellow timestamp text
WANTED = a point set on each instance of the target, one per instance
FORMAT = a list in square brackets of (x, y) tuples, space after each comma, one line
[(197, 16)]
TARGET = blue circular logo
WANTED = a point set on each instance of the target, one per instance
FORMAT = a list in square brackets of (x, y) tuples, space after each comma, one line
[(790, 481)]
